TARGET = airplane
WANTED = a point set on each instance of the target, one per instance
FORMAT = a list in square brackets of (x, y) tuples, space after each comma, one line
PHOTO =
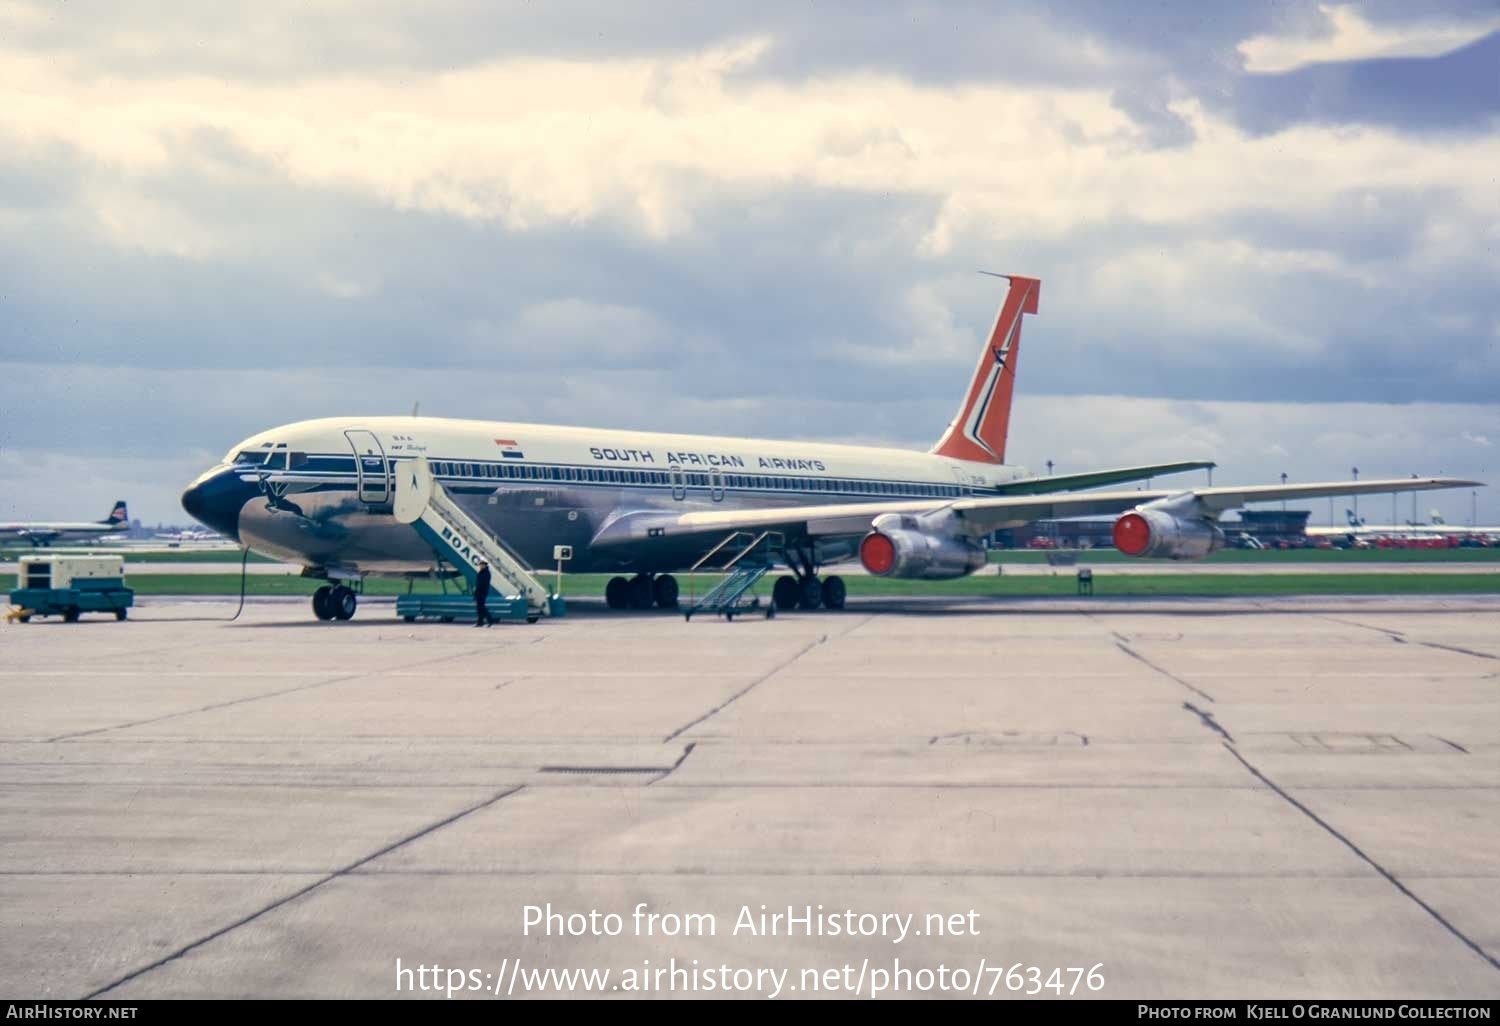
[(39, 534), (644, 506), (1357, 529), (178, 537)]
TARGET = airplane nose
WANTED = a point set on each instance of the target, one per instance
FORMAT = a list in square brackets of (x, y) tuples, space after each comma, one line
[(215, 500)]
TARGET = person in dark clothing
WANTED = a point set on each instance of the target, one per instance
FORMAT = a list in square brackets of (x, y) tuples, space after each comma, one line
[(482, 617)]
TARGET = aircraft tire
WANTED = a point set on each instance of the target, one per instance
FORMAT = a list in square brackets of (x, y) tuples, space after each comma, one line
[(343, 602), (640, 591), (810, 593), (664, 591), (834, 592), (322, 604), (785, 594), (70, 615), (617, 593), (119, 614)]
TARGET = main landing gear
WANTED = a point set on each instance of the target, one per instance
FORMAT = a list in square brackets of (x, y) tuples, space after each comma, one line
[(808, 593), (805, 591), (334, 602), (642, 592)]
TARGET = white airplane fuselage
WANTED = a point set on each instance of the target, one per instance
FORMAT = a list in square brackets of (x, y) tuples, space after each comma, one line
[(45, 533), (320, 492)]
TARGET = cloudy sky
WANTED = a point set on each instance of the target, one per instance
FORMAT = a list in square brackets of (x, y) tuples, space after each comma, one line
[(1268, 233)]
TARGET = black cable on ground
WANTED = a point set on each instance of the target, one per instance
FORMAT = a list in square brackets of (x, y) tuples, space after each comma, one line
[(244, 570)]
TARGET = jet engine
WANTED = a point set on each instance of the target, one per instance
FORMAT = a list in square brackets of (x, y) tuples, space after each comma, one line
[(915, 547), (1167, 530)]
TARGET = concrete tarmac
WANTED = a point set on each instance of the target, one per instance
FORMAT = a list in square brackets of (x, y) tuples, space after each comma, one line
[(1213, 798)]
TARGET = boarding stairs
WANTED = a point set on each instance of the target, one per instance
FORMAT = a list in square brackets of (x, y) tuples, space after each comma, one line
[(742, 559), (459, 539)]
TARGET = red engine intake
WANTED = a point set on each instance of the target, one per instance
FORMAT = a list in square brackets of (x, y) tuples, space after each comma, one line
[(1156, 533), (1132, 534), (910, 552), (877, 553)]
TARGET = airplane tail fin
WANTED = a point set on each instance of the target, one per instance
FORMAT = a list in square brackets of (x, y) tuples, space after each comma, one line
[(118, 515), (978, 432)]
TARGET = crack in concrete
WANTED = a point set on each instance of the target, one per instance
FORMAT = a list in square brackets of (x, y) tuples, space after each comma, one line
[(1132, 653), (762, 679), (253, 698), (1346, 842), (1208, 720), (1460, 651), (288, 899)]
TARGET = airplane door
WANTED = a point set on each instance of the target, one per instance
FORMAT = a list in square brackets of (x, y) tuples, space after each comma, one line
[(373, 467), (716, 485), (679, 482), (964, 487)]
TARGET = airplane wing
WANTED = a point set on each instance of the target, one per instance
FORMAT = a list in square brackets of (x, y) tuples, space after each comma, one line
[(1093, 479), (979, 516), (38, 535)]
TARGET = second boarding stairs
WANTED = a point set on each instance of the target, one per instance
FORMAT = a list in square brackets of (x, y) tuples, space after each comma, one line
[(461, 540), (743, 559)]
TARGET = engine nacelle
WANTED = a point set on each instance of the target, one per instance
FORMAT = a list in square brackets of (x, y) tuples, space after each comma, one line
[(1158, 534), (903, 546)]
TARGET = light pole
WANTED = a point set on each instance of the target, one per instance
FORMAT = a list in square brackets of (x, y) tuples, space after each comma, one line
[(1283, 484), (1355, 496), (1414, 504), (1473, 509), (1049, 468)]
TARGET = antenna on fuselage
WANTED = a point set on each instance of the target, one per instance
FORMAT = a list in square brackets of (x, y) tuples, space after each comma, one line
[(415, 407)]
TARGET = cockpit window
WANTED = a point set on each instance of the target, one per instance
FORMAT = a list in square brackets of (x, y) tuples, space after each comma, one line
[(267, 454)]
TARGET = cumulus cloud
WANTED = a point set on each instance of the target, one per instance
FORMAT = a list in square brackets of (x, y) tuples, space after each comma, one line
[(698, 217), (1347, 35)]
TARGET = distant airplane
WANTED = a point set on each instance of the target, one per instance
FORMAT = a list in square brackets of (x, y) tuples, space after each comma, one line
[(1356, 528), (190, 536), (47, 533), (323, 493)]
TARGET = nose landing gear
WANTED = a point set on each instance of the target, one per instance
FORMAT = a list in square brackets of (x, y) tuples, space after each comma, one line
[(334, 602)]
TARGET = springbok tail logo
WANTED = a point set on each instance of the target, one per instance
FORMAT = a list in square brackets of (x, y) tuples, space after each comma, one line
[(118, 515), (978, 432)]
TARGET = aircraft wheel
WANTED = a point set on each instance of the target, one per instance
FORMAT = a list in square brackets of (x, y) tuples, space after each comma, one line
[(409, 619), (785, 593), (70, 615), (640, 591), (343, 602), (26, 618), (810, 593), (119, 614), (322, 607), (617, 593), (664, 591), (834, 592)]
